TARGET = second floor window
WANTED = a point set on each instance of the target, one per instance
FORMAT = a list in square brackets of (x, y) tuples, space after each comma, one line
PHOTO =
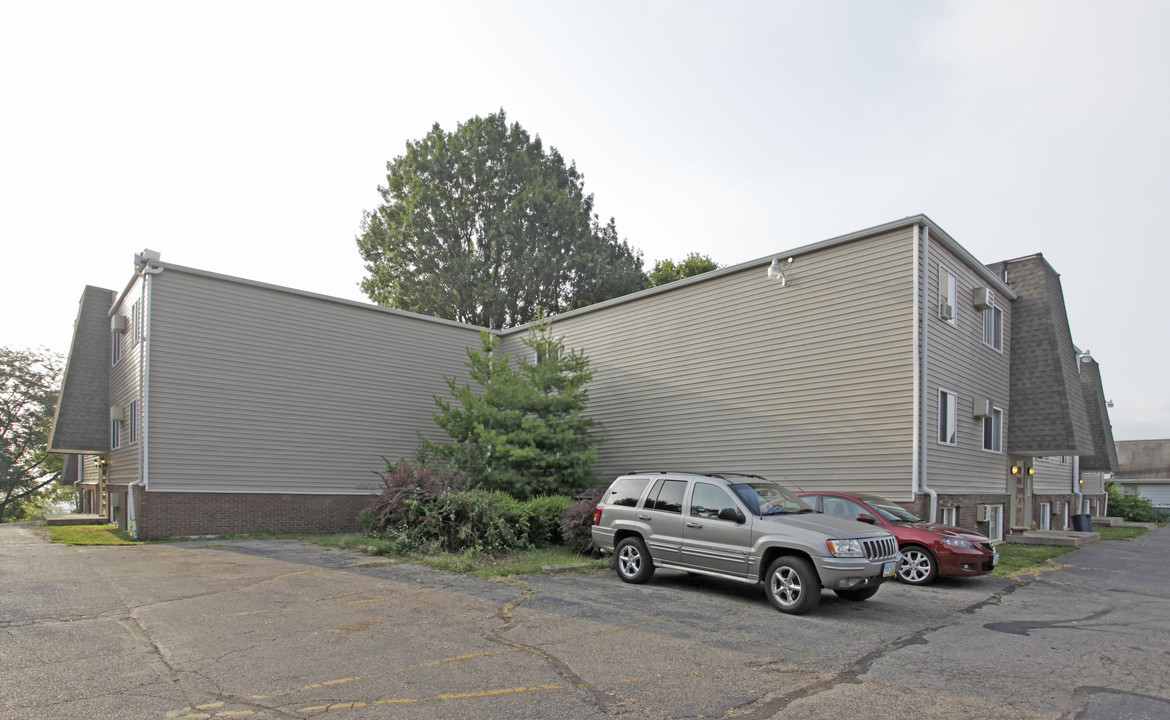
[(948, 423), (115, 347), (993, 431), (993, 328), (947, 309), (132, 422)]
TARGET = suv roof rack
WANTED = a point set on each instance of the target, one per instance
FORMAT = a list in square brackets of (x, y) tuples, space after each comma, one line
[(707, 473)]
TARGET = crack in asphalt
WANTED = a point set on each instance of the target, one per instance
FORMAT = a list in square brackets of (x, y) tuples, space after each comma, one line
[(130, 621), (505, 613), (854, 672)]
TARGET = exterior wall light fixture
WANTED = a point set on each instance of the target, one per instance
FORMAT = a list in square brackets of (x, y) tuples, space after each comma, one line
[(776, 270)]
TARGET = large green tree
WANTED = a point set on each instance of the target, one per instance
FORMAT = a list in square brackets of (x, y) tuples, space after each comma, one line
[(483, 226), (523, 430), (29, 385), (666, 271)]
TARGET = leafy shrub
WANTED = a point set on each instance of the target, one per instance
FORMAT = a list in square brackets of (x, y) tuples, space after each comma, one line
[(575, 528), (480, 520), (545, 515), (1134, 508), (404, 485)]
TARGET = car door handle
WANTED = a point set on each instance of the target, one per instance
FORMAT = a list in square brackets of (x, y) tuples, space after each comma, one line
[(644, 517), (693, 524)]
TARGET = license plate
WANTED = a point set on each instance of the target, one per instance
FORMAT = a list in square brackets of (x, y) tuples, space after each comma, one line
[(888, 570), (994, 560)]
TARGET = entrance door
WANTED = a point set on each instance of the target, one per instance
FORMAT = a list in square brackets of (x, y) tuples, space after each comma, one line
[(1020, 487)]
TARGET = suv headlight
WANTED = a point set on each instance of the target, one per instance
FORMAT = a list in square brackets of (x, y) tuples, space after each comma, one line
[(845, 548), (958, 543)]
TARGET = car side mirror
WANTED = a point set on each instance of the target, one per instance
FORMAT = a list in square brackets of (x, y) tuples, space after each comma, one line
[(732, 514), (866, 518)]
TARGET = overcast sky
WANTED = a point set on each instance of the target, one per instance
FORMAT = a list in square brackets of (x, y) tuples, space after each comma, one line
[(248, 137)]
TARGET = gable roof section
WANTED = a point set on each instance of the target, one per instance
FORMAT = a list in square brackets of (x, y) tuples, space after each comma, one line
[(1104, 459), (1048, 403), (80, 421), (1143, 459)]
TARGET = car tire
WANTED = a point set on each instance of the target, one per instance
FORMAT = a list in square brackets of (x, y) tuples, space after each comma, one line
[(917, 566), (792, 585), (857, 595), (632, 561)]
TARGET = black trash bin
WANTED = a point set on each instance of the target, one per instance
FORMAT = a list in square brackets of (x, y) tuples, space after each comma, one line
[(1082, 523)]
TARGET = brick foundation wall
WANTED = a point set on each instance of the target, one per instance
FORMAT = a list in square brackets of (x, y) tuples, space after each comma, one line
[(164, 514)]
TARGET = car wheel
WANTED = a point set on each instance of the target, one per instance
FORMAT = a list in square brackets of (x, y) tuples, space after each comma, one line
[(857, 595), (632, 560), (917, 566), (792, 585)]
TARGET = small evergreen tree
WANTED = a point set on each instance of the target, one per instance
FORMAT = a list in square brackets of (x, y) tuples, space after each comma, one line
[(524, 431)]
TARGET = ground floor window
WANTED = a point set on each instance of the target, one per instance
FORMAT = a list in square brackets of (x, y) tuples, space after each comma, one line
[(949, 516), (1045, 520), (993, 516)]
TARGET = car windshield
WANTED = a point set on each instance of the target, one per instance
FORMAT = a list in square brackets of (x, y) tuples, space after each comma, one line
[(891, 511), (768, 498)]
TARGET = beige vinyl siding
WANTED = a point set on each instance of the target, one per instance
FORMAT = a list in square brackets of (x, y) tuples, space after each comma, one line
[(259, 389), (959, 361), (1052, 477), (89, 469), (1094, 483), (810, 384), (125, 378)]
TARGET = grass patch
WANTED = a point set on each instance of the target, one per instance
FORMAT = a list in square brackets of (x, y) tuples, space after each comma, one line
[(1014, 558), (1108, 532), (524, 562), (90, 535), (471, 562)]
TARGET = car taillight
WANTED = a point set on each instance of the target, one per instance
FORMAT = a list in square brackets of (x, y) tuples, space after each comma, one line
[(596, 516)]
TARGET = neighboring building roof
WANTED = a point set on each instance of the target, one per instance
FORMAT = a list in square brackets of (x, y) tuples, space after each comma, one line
[(1104, 459), (81, 419), (1048, 414), (1143, 459)]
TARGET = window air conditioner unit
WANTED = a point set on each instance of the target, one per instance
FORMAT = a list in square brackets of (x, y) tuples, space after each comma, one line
[(983, 298), (983, 513), (945, 311), (982, 407), (118, 324), (117, 412)]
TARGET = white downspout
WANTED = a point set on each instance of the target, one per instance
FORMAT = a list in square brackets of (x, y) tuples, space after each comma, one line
[(922, 480), (144, 399), (916, 442), (1076, 483)]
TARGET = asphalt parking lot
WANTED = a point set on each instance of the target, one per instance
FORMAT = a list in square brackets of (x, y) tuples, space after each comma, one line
[(280, 629)]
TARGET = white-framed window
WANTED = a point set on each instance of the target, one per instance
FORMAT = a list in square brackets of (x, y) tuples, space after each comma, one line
[(136, 322), (993, 431), (993, 328), (132, 423), (948, 515), (948, 309), (1045, 521), (115, 434), (115, 347), (994, 522), (948, 422)]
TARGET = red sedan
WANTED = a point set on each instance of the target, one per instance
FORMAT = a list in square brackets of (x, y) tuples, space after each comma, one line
[(928, 549)]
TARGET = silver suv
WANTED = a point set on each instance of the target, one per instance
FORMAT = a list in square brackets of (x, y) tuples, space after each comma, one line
[(740, 527)]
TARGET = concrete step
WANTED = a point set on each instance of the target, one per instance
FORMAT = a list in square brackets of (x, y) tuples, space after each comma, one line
[(1053, 537), (76, 519), (1110, 521)]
